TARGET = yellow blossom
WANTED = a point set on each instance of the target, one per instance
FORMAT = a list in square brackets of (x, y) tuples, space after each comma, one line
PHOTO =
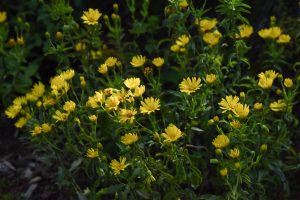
[(264, 147), (46, 128), (139, 91), (183, 4), (266, 79), (224, 172), (210, 78), (36, 92), (91, 17), (132, 83), (80, 46), (118, 166), (149, 105), (221, 141), (68, 74), (11, 42), (111, 61), (82, 81), (138, 61), (212, 38), (234, 153), (69, 106), (3, 16), (129, 138), (21, 122), (59, 116), (235, 124), (278, 106), (182, 40), (273, 33), (127, 115), (241, 111), (258, 106), (172, 133), (237, 165), (12, 111), (103, 69), (229, 103), (92, 153), (190, 85), (174, 48), (283, 38), (207, 24), (96, 100), (242, 94), (112, 103), (36, 131), (158, 62), (288, 82), (93, 118), (96, 54), (244, 31), (20, 41)]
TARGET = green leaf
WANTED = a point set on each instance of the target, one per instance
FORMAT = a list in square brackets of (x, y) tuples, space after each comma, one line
[(109, 190)]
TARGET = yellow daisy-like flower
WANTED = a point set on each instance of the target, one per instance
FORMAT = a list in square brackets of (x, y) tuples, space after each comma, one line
[(96, 100), (149, 105), (288, 82), (129, 138), (127, 115), (93, 118), (20, 40), (210, 78), (91, 17), (59, 116), (132, 83), (12, 111), (111, 61), (280, 105), (118, 166), (229, 103), (138, 61), (190, 85), (266, 79), (212, 38), (21, 122), (244, 31), (80, 46), (172, 133), (69, 106), (283, 39), (103, 69), (207, 24), (221, 141), (36, 92), (175, 48), (46, 127), (273, 33), (234, 153), (68, 74), (3, 16), (182, 40), (92, 153), (241, 111), (236, 124), (36, 131), (139, 91), (258, 106), (224, 172), (112, 103), (158, 62)]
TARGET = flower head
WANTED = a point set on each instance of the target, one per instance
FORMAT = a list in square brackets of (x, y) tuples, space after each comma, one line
[(149, 105), (207, 24), (91, 17), (182, 40), (229, 103), (280, 105), (59, 116), (138, 61), (129, 138), (92, 153), (241, 111), (283, 39), (212, 38), (46, 127), (132, 83), (127, 115), (234, 153), (158, 62), (258, 106), (118, 166), (3, 16), (172, 133), (111, 61), (36, 131), (190, 85), (273, 33), (224, 172), (69, 106), (244, 31), (210, 78), (93, 118), (288, 82), (12, 111), (221, 141), (266, 79), (112, 102)]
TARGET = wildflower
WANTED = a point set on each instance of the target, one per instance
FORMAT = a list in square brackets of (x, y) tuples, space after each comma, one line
[(241, 111), (288, 82), (80, 46), (112, 103), (21, 122), (11, 42), (82, 81), (93, 118), (221, 141), (229, 103), (174, 48), (103, 69), (12, 111), (149, 105), (207, 24), (237, 165), (242, 94), (139, 91), (20, 41), (36, 131), (48, 101), (129, 138), (278, 106), (127, 115), (111, 61), (224, 172), (283, 39), (158, 62), (183, 4), (59, 116), (190, 85), (118, 166), (264, 147), (216, 119), (258, 106), (212, 38), (172, 133), (58, 83), (58, 35), (92, 153), (132, 83), (234, 153), (182, 40), (3, 16), (96, 55), (210, 122), (138, 61), (244, 31), (273, 33), (91, 17), (210, 78), (96, 100), (68, 74), (69, 106), (36, 92), (266, 79), (46, 128), (236, 124)]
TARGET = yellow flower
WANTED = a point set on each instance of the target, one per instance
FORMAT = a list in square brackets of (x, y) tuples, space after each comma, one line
[(284, 38), (80, 46), (82, 81), (266, 79), (234, 153), (182, 40), (158, 62), (68, 74), (278, 106), (3, 16), (132, 83), (210, 78), (11, 42), (91, 17), (36, 92), (288, 82), (264, 147), (20, 40), (242, 94), (59, 116), (244, 31), (127, 115), (21, 122), (59, 84), (112, 103), (229, 103), (92, 153), (93, 118), (207, 24), (12, 111), (235, 124), (69, 106), (172, 133), (175, 48), (111, 61), (149, 105), (273, 33), (118, 166), (183, 4), (139, 91), (46, 128), (138, 61), (190, 85), (241, 111), (129, 138), (212, 38), (36, 131), (258, 106), (96, 100), (221, 141), (103, 69), (224, 172)]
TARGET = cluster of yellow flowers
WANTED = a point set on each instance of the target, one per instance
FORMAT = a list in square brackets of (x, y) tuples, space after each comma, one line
[(231, 103), (244, 31), (274, 33), (180, 43), (211, 35), (110, 62), (191, 85)]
